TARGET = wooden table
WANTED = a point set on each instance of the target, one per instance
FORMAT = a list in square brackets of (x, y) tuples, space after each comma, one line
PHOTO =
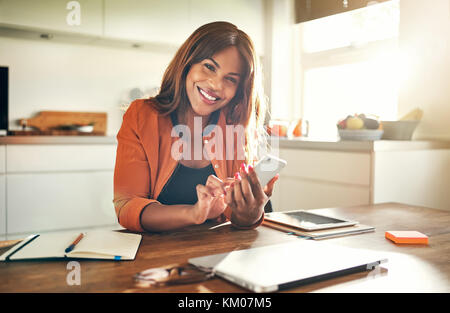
[(411, 268)]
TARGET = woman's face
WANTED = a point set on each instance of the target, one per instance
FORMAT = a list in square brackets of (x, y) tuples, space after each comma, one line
[(212, 83)]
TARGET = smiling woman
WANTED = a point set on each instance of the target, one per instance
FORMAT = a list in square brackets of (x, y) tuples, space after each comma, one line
[(211, 87)]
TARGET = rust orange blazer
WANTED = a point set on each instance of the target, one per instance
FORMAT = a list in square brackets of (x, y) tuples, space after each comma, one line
[(144, 162)]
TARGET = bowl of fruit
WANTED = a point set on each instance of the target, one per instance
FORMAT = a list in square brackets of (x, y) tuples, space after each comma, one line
[(360, 127)]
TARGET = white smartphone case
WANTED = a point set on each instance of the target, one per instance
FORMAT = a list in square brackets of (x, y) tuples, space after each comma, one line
[(268, 167)]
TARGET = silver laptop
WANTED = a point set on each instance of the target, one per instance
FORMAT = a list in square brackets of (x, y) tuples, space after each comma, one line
[(276, 267)]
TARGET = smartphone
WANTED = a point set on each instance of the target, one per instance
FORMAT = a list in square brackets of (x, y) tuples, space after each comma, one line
[(268, 167)]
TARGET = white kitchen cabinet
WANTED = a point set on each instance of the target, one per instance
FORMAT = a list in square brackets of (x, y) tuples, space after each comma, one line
[(418, 177), (164, 24), (150, 21), (52, 15), (2, 159), (318, 179), (50, 158), (2, 205), (333, 166), (53, 201), (415, 173), (59, 186), (247, 15), (2, 190), (297, 193), (171, 22)]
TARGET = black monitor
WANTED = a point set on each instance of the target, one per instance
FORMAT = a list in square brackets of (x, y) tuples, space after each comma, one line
[(3, 100)]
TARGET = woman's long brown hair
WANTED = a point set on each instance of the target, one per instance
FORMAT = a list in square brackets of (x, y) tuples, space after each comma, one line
[(247, 108)]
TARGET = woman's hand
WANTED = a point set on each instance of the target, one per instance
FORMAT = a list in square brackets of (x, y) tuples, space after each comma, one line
[(211, 199), (247, 197)]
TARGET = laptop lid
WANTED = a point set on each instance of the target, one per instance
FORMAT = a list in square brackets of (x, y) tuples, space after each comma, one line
[(281, 266)]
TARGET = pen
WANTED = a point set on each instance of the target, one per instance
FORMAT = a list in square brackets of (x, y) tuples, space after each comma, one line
[(70, 248)]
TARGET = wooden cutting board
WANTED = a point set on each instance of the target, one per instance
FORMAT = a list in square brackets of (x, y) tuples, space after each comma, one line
[(52, 133), (49, 120), (9, 243)]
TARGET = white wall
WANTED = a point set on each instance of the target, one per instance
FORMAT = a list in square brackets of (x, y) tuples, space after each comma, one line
[(425, 55), (46, 75)]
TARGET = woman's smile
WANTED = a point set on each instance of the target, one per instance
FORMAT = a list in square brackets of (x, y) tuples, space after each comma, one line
[(207, 96)]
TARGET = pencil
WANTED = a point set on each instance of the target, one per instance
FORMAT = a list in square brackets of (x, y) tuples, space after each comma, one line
[(76, 241)]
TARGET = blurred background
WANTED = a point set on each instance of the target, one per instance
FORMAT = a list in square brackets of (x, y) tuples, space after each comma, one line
[(323, 61)]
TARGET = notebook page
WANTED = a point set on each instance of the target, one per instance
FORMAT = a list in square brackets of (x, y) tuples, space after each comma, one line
[(51, 245), (105, 243)]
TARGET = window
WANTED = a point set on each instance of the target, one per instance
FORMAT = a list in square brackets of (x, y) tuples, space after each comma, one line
[(349, 64)]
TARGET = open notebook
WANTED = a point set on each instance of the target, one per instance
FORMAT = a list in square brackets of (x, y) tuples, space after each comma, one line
[(94, 245)]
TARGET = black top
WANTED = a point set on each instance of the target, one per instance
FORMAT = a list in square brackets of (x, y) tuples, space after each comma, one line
[(181, 186)]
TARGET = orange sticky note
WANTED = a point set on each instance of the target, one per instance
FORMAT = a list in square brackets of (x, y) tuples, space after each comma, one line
[(411, 237)]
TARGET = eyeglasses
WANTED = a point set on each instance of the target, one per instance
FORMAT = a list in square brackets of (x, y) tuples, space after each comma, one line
[(171, 275)]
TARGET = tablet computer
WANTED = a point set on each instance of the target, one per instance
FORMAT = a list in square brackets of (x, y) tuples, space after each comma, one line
[(307, 220)]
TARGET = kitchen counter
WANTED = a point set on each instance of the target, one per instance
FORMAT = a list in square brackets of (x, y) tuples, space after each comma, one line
[(327, 173), (361, 146), (284, 143), (50, 140)]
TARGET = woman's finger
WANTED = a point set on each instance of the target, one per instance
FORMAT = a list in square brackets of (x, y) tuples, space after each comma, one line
[(228, 181), (215, 183), (229, 197), (258, 191), (203, 191), (237, 193), (246, 188), (269, 188)]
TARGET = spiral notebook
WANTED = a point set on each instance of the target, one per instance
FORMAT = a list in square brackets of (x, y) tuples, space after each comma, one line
[(99, 244)]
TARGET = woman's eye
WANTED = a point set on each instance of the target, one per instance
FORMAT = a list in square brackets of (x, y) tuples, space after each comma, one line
[(210, 67), (231, 79)]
